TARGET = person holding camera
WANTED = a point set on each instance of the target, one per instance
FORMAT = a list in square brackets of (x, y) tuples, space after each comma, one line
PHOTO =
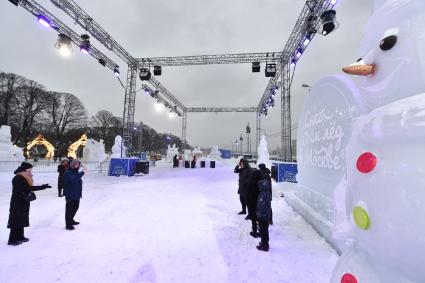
[(73, 187), (244, 171), (22, 194)]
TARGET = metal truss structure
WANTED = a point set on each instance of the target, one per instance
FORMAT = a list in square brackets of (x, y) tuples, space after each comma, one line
[(222, 109), (306, 26), (265, 57)]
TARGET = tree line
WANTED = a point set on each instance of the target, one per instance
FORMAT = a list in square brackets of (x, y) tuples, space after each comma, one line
[(29, 108)]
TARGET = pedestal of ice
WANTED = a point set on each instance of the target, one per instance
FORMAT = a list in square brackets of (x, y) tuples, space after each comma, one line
[(8, 151)]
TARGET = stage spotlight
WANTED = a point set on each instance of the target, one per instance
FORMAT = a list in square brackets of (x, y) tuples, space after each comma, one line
[(159, 106), (147, 91), (144, 74), (333, 2), (85, 44), (44, 21), (64, 45), (293, 62), (154, 93), (270, 70), (157, 71), (116, 71), (306, 40), (256, 67), (328, 22), (102, 62), (298, 53)]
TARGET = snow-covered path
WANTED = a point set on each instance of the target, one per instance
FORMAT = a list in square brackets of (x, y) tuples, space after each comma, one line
[(173, 225)]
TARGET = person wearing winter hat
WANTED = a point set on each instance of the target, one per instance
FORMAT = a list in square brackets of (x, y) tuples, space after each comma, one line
[(266, 175), (73, 187), (22, 186)]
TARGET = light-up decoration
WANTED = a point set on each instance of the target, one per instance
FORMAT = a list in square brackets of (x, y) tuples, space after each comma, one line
[(40, 140), (72, 150)]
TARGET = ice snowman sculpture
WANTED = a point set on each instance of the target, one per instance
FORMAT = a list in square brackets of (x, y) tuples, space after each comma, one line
[(384, 187)]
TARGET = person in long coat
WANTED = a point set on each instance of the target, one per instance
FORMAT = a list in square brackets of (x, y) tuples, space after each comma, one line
[(243, 169), (73, 188), (251, 200), (61, 170), (266, 175), (175, 161), (264, 210), (22, 186)]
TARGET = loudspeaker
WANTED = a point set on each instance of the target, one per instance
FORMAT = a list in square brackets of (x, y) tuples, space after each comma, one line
[(212, 164), (270, 70), (144, 74), (157, 71), (186, 164), (202, 163), (256, 67)]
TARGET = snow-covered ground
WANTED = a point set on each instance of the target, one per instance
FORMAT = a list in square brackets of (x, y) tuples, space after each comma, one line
[(173, 225)]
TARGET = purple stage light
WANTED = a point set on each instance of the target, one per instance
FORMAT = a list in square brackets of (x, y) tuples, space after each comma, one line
[(333, 2), (306, 41), (298, 54), (293, 62), (43, 21), (84, 50)]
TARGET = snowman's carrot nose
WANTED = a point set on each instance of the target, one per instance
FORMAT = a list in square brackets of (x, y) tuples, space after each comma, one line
[(360, 68)]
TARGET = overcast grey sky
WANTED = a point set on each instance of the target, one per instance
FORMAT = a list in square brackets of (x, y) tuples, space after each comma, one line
[(172, 28)]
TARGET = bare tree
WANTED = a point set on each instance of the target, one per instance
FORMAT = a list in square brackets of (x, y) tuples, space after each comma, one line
[(9, 85), (65, 112), (30, 102), (103, 123)]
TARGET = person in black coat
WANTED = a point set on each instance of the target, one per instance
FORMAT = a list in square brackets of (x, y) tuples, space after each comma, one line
[(22, 186), (73, 187), (175, 161), (266, 175), (251, 199), (61, 170), (243, 169), (264, 210)]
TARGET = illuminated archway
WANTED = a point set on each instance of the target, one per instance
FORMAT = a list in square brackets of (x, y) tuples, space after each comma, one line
[(72, 150), (41, 140)]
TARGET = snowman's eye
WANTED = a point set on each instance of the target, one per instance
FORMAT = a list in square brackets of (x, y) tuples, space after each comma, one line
[(388, 42)]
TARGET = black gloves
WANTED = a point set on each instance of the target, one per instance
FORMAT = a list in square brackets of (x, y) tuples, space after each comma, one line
[(45, 186)]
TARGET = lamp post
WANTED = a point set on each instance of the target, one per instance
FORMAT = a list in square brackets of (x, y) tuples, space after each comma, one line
[(241, 139), (248, 131), (306, 86)]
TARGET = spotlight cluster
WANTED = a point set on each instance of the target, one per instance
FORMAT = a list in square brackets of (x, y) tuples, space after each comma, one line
[(161, 104), (269, 102), (64, 42)]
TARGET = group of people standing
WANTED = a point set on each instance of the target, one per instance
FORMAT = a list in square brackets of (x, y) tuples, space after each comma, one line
[(255, 194), (70, 185)]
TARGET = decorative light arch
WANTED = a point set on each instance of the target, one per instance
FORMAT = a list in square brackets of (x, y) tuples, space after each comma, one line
[(72, 150), (41, 140)]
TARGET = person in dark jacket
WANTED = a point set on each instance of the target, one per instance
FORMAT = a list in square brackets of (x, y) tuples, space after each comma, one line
[(251, 199), (62, 167), (22, 185), (73, 187), (264, 213), (266, 175), (243, 169), (175, 161)]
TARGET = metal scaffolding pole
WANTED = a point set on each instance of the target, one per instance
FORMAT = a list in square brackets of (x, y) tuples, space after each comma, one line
[(258, 130), (129, 105), (184, 127), (286, 113)]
